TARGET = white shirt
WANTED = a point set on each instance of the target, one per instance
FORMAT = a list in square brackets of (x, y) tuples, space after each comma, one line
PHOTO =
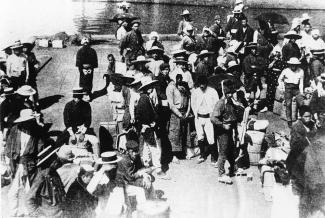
[(120, 33), (16, 64), (204, 102), (288, 76), (24, 138)]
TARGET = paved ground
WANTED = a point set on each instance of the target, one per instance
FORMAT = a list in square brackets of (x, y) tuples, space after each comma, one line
[(193, 190)]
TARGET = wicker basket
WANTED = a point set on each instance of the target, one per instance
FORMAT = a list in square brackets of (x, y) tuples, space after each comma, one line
[(254, 140)]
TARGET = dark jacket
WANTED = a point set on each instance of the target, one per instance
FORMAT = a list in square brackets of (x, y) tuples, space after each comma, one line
[(246, 36), (86, 55), (9, 109), (145, 112), (127, 170), (80, 203), (217, 30), (134, 41), (46, 196), (223, 111), (161, 87), (203, 69), (33, 147), (290, 50), (76, 114), (209, 43)]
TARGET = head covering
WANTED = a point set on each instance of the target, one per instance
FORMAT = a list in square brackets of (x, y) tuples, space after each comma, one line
[(292, 35), (315, 32), (181, 52), (8, 91), (131, 144), (217, 17), (251, 45), (78, 91), (155, 49), (237, 10), (134, 22), (321, 78), (206, 29), (294, 61), (25, 115), (45, 154), (124, 4), (232, 64), (180, 60), (153, 34), (65, 153), (29, 41), (140, 60), (318, 51), (305, 16), (26, 90), (295, 23), (204, 53), (84, 40), (109, 157), (185, 12), (137, 78), (147, 82), (17, 45)]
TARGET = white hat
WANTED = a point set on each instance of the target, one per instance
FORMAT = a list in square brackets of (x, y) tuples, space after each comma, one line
[(25, 114), (26, 90), (237, 2), (294, 61), (146, 81), (87, 167), (204, 53), (84, 40), (124, 4), (153, 34), (232, 64), (16, 45), (292, 34), (207, 29), (296, 22), (185, 12), (315, 32), (305, 16), (109, 157), (137, 78), (237, 10)]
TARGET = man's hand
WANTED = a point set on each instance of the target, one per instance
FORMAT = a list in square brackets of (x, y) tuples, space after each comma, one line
[(146, 181)]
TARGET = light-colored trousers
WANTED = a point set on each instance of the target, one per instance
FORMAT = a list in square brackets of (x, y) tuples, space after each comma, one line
[(204, 125)]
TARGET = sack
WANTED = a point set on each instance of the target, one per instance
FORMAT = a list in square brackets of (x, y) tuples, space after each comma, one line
[(279, 94)]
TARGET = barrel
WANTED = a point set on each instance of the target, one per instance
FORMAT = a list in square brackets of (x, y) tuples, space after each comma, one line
[(254, 140), (153, 209)]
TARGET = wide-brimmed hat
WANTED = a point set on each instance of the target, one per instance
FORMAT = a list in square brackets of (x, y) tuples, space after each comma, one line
[(179, 52), (85, 40), (204, 53), (134, 22), (140, 60), (155, 49), (294, 61), (292, 35), (109, 157), (17, 45), (232, 65), (206, 29), (45, 154), (153, 34), (137, 78), (318, 51), (185, 12), (25, 115), (123, 4), (239, 2), (305, 16), (29, 41), (26, 90), (8, 91), (78, 91), (180, 60), (237, 10), (147, 82), (65, 153)]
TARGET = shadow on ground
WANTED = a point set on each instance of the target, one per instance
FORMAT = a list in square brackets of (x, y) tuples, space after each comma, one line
[(49, 101)]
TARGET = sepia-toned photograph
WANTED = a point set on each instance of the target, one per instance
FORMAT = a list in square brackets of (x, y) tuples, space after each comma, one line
[(162, 108)]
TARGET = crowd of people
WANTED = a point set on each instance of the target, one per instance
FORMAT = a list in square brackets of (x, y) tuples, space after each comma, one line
[(189, 104)]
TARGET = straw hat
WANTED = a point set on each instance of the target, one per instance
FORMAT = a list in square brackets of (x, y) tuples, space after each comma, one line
[(140, 60), (237, 10), (179, 52), (153, 34), (155, 49), (109, 157), (185, 12), (26, 90), (305, 16), (318, 51), (204, 53), (294, 61), (137, 78), (17, 45), (237, 2), (251, 45), (147, 82), (46, 154), (296, 22), (292, 35), (180, 60), (8, 91), (30, 40), (25, 115), (65, 153), (134, 22), (78, 91), (85, 40)]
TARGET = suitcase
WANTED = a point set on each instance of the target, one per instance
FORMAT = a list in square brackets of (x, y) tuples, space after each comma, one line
[(44, 43), (57, 44)]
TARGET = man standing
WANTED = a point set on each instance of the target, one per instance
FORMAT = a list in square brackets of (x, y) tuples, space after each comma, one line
[(224, 119), (204, 67), (131, 45), (86, 61), (181, 68), (291, 49), (203, 100), (187, 21), (245, 33), (216, 28), (77, 120)]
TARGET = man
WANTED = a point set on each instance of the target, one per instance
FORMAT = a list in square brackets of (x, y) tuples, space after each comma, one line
[(26, 138), (130, 171), (224, 119), (189, 41), (208, 42), (292, 81), (317, 64), (204, 67), (301, 132), (80, 203), (122, 30), (17, 66), (216, 28), (234, 22), (245, 33), (156, 54), (203, 100), (291, 49), (181, 68), (183, 24), (77, 120), (86, 61), (131, 46), (316, 41)]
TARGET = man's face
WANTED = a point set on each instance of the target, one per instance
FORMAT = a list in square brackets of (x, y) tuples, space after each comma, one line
[(187, 17), (315, 36), (253, 51), (306, 118), (155, 56), (86, 178), (136, 27), (206, 59), (110, 60), (17, 51), (217, 21), (203, 87), (181, 66), (307, 28), (244, 23), (293, 67), (165, 71), (133, 153)]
